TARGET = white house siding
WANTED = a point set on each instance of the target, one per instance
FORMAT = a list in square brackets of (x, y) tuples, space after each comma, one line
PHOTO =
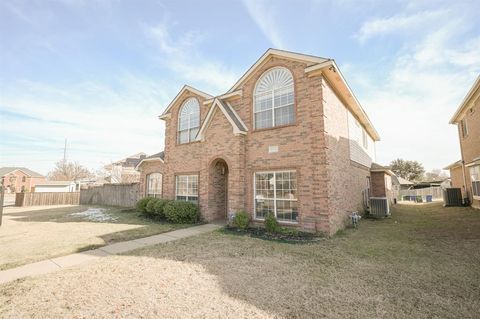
[(359, 153)]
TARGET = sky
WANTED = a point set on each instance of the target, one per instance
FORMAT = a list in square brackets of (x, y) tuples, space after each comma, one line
[(98, 73)]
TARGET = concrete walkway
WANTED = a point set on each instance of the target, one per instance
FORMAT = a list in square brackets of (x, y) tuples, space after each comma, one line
[(55, 264)]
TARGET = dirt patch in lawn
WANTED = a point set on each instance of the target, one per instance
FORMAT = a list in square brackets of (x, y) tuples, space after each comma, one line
[(400, 267), (31, 234)]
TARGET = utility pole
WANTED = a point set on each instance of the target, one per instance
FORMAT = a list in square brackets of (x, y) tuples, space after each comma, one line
[(2, 196), (65, 151)]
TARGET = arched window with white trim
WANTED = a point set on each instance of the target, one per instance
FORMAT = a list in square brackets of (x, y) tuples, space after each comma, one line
[(154, 185), (274, 99), (188, 121)]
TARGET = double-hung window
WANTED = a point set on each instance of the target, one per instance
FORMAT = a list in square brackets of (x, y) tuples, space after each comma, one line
[(464, 127), (154, 185), (475, 177), (276, 193), (188, 121), (186, 188), (274, 99)]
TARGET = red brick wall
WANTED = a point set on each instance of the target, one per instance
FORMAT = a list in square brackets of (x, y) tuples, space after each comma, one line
[(329, 186), (147, 168), (347, 179), (15, 180), (470, 145)]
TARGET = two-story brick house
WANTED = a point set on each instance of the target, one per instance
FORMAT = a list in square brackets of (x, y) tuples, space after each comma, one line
[(465, 174), (20, 179), (289, 138)]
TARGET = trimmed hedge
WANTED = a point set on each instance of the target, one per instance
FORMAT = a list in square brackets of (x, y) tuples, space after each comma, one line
[(159, 208), (241, 220), (181, 212), (142, 204), (150, 208)]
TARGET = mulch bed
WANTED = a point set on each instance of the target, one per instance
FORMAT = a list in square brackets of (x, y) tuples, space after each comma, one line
[(283, 236)]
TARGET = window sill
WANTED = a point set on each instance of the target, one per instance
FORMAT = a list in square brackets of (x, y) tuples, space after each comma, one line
[(273, 128), (189, 143)]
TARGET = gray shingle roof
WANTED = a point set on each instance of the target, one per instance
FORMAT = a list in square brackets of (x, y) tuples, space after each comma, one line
[(6, 170), (233, 116)]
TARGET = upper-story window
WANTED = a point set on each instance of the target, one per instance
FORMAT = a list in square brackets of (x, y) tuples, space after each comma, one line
[(188, 121), (464, 127), (274, 99)]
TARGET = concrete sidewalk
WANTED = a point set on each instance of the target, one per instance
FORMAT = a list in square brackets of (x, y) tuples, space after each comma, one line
[(54, 264)]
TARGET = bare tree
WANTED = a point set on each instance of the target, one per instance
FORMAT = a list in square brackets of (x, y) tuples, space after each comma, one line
[(68, 171)]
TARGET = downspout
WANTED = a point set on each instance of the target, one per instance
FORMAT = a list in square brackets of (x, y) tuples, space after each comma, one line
[(463, 162)]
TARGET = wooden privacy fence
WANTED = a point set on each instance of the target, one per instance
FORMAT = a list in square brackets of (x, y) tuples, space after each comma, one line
[(435, 192), (44, 199), (125, 195)]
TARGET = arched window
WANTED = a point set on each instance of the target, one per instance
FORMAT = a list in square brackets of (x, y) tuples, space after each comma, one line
[(273, 101), (154, 185), (188, 121)]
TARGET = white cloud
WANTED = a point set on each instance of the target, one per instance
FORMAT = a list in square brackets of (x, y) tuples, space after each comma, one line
[(412, 105), (182, 57), (103, 122), (261, 11), (398, 23)]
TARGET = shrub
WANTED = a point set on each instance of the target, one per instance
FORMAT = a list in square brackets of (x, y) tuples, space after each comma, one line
[(271, 224), (241, 220), (181, 212), (159, 208), (150, 208), (142, 204)]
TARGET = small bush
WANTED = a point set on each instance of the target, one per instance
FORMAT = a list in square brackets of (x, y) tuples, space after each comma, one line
[(181, 212), (150, 209), (142, 204), (241, 220), (271, 224), (159, 208)]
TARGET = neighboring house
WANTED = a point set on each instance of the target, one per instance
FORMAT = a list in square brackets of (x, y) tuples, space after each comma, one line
[(123, 171), (400, 183), (289, 138), (465, 174), (56, 187), (20, 179)]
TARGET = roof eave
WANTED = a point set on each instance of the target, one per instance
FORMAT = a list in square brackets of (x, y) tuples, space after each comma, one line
[(355, 106), (465, 102)]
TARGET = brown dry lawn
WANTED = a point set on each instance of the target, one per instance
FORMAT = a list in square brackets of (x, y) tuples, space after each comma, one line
[(423, 262), (30, 234)]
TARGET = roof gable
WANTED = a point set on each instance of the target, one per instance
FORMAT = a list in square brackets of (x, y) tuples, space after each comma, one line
[(237, 124), (309, 59), (179, 94), (7, 170), (152, 158)]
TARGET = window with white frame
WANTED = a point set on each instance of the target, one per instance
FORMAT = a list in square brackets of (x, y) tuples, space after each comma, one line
[(188, 121), (475, 177), (154, 185), (186, 188), (365, 139), (274, 99), (464, 127), (276, 193)]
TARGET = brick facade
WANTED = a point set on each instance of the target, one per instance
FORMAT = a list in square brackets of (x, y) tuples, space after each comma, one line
[(18, 181), (469, 144), (329, 185)]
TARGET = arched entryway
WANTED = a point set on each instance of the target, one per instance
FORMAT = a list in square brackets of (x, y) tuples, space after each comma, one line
[(218, 190)]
